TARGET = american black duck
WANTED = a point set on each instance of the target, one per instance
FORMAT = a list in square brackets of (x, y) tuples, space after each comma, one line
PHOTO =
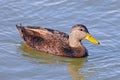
[(57, 42)]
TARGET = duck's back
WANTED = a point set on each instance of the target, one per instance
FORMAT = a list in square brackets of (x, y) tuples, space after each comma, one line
[(46, 40)]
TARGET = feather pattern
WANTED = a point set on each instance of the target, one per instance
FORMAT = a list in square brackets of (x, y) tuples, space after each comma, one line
[(49, 41)]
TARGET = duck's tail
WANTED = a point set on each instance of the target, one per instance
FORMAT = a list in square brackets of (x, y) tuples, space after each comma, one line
[(23, 33), (29, 35), (21, 29)]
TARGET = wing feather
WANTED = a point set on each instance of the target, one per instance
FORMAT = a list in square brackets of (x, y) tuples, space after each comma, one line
[(44, 39)]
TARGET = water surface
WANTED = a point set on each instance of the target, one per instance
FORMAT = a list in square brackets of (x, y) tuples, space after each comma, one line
[(102, 18)]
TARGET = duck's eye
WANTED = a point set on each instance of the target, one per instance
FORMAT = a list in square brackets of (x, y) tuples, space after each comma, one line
[(81, 29)]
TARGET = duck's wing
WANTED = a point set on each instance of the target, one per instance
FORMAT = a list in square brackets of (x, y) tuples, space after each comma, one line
[(59, 35), (46, 40)]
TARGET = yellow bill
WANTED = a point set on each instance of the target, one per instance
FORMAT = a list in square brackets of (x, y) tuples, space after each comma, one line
[(91, 39)]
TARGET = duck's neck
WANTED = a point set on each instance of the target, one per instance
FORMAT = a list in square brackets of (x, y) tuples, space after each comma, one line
[(74, 40), (74, 43)]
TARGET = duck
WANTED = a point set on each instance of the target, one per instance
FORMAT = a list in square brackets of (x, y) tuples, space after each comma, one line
[(57, 42)]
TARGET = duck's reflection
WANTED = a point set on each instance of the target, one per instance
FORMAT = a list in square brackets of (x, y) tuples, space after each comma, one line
[(75, 69), (74, 65)]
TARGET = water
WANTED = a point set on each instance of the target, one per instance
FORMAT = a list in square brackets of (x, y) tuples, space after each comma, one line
[(102, 18)]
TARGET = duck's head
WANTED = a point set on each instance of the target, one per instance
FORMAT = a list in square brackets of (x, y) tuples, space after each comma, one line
[(79, 32)]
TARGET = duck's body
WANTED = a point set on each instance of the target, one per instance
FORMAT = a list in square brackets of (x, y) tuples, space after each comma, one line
[(52, 41)]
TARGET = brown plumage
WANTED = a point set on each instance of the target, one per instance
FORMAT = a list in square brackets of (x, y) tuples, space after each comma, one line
[(53, 41)]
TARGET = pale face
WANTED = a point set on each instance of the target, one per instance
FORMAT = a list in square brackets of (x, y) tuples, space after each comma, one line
[(80, 32)]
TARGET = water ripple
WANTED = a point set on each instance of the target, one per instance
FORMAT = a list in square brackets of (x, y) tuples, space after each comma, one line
[(49, 3), (100, 17)]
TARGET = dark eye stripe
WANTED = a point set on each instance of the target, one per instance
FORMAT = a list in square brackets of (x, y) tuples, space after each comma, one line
[(81, 29)]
